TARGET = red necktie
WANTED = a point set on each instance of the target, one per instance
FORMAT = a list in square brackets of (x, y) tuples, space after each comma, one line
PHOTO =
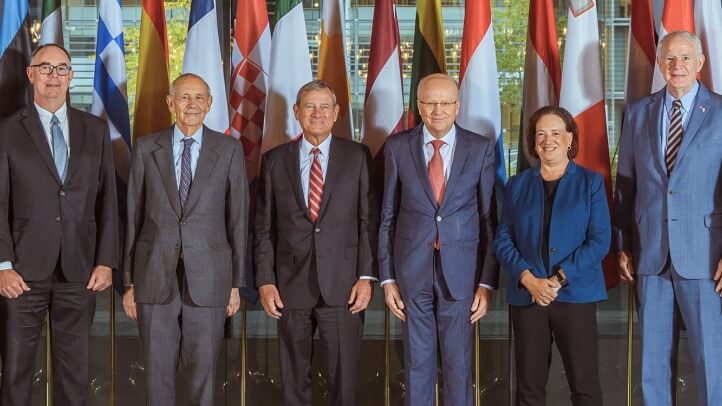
[(437, 178), (315, 186)]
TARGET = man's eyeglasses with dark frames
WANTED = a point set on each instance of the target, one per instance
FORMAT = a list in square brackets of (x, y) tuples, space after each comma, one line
[(47, 69)]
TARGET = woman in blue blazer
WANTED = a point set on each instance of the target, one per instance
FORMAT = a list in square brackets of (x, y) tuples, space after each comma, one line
[(554, 232)]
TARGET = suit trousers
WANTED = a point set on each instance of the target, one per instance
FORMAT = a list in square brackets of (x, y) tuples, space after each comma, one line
[(573, 326), (437, 323), (661, 301), (178, 335), (340, 334), (71, 308)]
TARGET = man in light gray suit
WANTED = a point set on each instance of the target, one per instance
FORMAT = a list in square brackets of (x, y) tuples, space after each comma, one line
[(185, 245), (668, 221)]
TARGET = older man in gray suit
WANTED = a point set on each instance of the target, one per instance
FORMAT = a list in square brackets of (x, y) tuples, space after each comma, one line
[(185, 245)]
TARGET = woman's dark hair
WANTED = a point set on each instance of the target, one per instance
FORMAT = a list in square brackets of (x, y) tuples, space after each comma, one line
[(569, 124)]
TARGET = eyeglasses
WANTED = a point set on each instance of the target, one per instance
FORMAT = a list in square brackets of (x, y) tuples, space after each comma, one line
[(47, 69), (443, 105)]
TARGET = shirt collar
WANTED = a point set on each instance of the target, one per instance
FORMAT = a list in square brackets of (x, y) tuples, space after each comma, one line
[(307, 147), (449, 138), (178, 135), (687, 100), (46, 116)]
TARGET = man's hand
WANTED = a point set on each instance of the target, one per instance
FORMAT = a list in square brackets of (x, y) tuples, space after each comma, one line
[(393, 300), (543, 291), (234, 303), (12, 284), (480, 306), (361, 295), (626, 269), (718, 278), (271, 300), (100, 279), (129, 303)]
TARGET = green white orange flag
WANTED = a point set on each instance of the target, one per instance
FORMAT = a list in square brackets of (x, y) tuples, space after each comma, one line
[(151, 111), (332, 63), (428, 50), (51, 28)]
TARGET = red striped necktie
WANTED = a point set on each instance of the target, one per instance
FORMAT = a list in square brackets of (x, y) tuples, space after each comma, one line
[(315, 186)]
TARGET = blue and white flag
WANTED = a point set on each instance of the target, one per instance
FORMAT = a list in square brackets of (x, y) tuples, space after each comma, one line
[(110, 96), (14, 56), (203, 57)]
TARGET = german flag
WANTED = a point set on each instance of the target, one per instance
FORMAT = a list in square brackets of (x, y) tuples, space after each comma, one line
[(428, 50)]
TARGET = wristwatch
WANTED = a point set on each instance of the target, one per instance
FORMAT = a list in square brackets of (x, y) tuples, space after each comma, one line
[(560, 277)]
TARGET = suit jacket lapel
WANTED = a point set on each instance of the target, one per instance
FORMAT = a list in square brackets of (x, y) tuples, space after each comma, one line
[(698, 114), (163, 157), (31, 122), (461, 152), (335, 162), (204, 167), (654, 115), (416, 145), (76, 138), (293, 165)]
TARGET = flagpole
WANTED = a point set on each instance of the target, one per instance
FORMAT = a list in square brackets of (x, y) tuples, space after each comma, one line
[(387, 357), (112, 347), (244, 347), (630, 315), (477, 365), (48, 363)]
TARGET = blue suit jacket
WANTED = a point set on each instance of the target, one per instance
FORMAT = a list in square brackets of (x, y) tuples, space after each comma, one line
[(579, 233), (410, 217), (681, 214)]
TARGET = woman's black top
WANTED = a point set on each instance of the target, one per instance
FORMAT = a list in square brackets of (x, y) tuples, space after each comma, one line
[(550, 190)]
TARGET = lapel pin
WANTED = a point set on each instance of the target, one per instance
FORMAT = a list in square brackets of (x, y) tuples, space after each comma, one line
[(703, 108)]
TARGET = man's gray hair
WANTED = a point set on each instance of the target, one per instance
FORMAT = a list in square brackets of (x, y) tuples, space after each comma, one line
[(188, 75), (314, 85), (684, 35)]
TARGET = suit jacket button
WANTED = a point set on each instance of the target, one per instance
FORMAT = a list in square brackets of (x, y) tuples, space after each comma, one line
[(57, 219), (182, 223), (438, 218), (553, 250), (318, 230), (62, 193)]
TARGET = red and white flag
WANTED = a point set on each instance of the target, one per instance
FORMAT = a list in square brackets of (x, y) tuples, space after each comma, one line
[(582, 94), (542, 70), (384, 102), (249, 80), (677, 15), (708, 19), (642, 52), (479, 83), (332, 63)]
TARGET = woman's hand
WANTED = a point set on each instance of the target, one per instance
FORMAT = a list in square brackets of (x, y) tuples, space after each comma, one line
[(543, 291)]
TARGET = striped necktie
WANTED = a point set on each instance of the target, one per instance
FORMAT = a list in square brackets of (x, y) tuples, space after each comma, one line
[(674, 136), (315, 186)]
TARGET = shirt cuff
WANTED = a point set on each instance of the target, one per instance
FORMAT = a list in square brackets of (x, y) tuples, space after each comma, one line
[(5, 265), (388, 281), (370, 278), (484, 285)]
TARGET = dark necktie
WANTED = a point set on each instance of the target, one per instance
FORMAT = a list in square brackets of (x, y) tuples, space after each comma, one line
[(60, 148), (315, 186), (437, 178), (674, 136), (186, 174)]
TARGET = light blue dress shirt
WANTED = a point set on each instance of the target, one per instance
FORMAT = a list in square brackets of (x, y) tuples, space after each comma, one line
[(178, 137), (687, 106)]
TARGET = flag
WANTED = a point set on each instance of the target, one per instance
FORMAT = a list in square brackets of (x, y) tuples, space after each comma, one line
[(428, 50), (203, 58), (15, 49), (582, 94), (642, 52), (290, 69), (384, 100), (151, 110), (332, 63), (542, 71), (110, 96), (708, 18), (479, 83), (51, 28), (677, 15)]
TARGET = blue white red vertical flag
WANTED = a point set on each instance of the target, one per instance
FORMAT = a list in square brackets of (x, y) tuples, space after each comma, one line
[(708, 22), (110, 96), (479, 84), (677, 15), (384, 103), (203, 58)]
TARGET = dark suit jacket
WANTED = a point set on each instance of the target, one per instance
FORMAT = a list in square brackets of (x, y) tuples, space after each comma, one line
[(40, 218), (411, 218), (579, 233), (210, 232), (342, 241)]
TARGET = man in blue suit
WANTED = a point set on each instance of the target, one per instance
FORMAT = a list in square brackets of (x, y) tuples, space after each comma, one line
[(436, 258), (668, 221)]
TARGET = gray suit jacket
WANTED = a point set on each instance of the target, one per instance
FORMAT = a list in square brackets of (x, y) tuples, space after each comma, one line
[(210, 232), (681, 214)]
